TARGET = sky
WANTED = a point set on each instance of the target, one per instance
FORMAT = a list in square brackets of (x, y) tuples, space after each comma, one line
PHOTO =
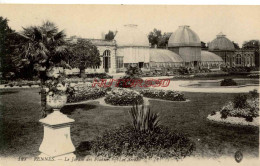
[(238, 23)]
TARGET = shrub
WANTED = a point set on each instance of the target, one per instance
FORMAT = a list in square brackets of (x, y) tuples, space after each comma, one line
[(122, 96), (126, 143), (126, 81), (224, 113), (183, 70), (163, 94), (249, 119), (254, 94), (143, 119), (240, 101), (133, 71), (228, 82)]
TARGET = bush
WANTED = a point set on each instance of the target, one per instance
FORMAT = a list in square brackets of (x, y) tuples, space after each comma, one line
[(228, 82), (240, 101), (224, 114), (133, 71), (254, 94), (143, 119), (126, 81), (126, 143), (249, 119), (121, 96), (163, 94), (183, 70)]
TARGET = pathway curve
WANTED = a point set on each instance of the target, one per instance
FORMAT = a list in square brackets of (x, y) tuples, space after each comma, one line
[(180, 86)]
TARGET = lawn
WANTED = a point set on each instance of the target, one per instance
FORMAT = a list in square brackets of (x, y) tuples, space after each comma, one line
[(21, 133)]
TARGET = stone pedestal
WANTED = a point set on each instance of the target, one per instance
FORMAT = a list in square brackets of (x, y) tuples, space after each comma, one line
[(56, 140)]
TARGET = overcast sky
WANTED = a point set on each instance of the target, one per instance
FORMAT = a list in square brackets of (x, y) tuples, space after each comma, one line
[(239, 23)]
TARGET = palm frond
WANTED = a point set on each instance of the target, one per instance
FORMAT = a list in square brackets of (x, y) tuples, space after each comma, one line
[(59, 36), (143, 119), (61, 50), (49, 27), (38, 36)]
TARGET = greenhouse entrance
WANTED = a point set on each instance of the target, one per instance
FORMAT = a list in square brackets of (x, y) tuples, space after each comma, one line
[(106, 60)]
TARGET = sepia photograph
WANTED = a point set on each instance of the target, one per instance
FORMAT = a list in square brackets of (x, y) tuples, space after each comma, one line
[(99, 84)]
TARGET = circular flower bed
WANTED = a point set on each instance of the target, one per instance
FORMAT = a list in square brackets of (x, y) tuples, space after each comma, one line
[(123, 96), (249, 110), (241, 111), (126, 143), (216, 117)]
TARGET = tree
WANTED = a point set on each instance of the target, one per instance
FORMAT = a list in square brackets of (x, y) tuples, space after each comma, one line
[(235, 45), (154, 37), (44, 47), (163, 40), (251, 44), (83, 54), (110, 35), (6, 68)]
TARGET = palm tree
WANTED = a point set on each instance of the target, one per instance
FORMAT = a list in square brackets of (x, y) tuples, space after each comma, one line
[(45, 47)]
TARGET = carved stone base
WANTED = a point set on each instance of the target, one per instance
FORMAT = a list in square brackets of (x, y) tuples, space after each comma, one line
[(56, 139)]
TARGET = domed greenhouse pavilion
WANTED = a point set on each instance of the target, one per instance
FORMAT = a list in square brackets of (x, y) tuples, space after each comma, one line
[(131, 47)]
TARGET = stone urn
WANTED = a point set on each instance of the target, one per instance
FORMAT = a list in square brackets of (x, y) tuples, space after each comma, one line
[(56, 101)]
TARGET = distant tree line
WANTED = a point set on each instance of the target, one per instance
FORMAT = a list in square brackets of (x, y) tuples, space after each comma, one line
[(156, 38)]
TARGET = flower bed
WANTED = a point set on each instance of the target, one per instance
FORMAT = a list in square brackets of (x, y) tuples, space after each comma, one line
[(211, 74), (255, 75), (22, 83), (123, 96), (233, 120), (98, 75), (239, 111), (249, 111), (86, 92), (163, 94), (126, 143), (238, 69)]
